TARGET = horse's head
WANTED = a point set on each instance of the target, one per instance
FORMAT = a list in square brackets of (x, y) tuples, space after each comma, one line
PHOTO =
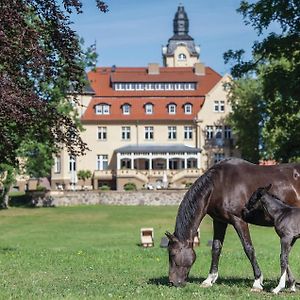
[(181, 258), (253, 202)]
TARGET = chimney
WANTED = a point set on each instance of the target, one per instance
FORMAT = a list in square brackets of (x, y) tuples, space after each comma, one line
[(199, 69), (153, 69)]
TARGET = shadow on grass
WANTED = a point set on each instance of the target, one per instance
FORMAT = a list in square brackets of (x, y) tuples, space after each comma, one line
[(228, 281), (7, 249)]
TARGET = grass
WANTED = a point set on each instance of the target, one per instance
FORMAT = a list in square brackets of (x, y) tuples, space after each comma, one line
[(92, 252)]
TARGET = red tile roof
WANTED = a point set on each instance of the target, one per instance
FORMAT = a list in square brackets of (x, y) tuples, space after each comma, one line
[(102, 78)]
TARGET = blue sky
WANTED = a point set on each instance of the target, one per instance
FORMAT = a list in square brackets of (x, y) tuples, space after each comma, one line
[(133, 32)]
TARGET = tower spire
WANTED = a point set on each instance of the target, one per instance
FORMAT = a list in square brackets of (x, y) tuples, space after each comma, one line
[(181, 22)]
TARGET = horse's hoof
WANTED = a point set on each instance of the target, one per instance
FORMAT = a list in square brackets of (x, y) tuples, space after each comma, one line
[(256, 290), (206, 285)]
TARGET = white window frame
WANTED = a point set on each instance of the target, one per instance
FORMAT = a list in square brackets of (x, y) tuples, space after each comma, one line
[(126, 109), (101, 162), (149, 133), (219, 106), (72, 164), (181, 57), (188, 132), (149, 109), (126, 133), (57, 164), (102, 109), (172, 133), (172, 109), (188, 109), (209, 132), (102, 133)]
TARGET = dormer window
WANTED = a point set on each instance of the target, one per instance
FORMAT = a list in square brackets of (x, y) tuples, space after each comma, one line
[(172, 108), (149, 109), (181, 56), (126, 109), (188, 108), (102, 109)]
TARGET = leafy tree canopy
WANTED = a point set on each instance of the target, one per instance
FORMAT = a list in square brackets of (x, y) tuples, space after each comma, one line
[(275, 64), (40, 62)]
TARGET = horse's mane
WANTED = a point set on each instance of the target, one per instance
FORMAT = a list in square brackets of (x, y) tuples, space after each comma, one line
[(192, 202)]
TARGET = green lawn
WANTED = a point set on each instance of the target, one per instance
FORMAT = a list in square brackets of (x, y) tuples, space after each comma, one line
[(92, 252)]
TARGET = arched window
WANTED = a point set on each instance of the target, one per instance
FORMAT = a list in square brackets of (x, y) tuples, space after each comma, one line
[(126, 109), (148, 108), (188, 108), (172, 108), (102, 109), (181, 56)]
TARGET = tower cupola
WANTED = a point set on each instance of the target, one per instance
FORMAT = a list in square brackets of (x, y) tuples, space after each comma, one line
[(181, 50), (181, 22)]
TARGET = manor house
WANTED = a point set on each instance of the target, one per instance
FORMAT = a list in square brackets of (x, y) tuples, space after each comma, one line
[(154, 126)]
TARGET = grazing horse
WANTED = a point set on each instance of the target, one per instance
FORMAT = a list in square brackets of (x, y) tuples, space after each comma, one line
[(222, 192), (287, 225)]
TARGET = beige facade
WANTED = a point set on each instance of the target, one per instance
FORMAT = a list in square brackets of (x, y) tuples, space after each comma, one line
[(181, 58), (168, 148), (216, 137)]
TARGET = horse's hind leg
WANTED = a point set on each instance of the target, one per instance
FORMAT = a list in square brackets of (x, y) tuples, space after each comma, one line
[(218, 239), (242, 230)]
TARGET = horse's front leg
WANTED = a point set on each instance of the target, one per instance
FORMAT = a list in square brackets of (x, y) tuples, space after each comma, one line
[(242, 230), (285, 249), (218, 239)]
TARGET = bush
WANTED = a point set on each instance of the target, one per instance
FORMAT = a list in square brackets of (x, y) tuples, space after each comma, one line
[(188, 185), (104, 187), (129, 186)]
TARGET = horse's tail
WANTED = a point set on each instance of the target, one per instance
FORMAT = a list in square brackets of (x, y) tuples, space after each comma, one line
[(194, 204)]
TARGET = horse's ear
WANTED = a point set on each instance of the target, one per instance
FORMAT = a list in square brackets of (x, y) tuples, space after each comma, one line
[(171, 237)]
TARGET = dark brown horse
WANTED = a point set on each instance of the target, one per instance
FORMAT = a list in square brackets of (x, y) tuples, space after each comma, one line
[(222, 192)]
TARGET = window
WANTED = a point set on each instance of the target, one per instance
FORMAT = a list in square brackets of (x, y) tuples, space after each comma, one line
[(181, 56), (57, 164), (169, 86), (218, 157), (102, 133), (102, 109), (102, 162), (209, 132), (126, 109), (172, 132), (218, 132), (72, 163), (126, 133), (227, 132), (125, 163), (149, 133), (172, 109), (219, 106), (149, 108), (188, 109), (188, 132)]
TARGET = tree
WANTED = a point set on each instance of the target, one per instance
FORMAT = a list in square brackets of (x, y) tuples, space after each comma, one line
[(275, 64), (246, 101), (7, 179), (40, 62)]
